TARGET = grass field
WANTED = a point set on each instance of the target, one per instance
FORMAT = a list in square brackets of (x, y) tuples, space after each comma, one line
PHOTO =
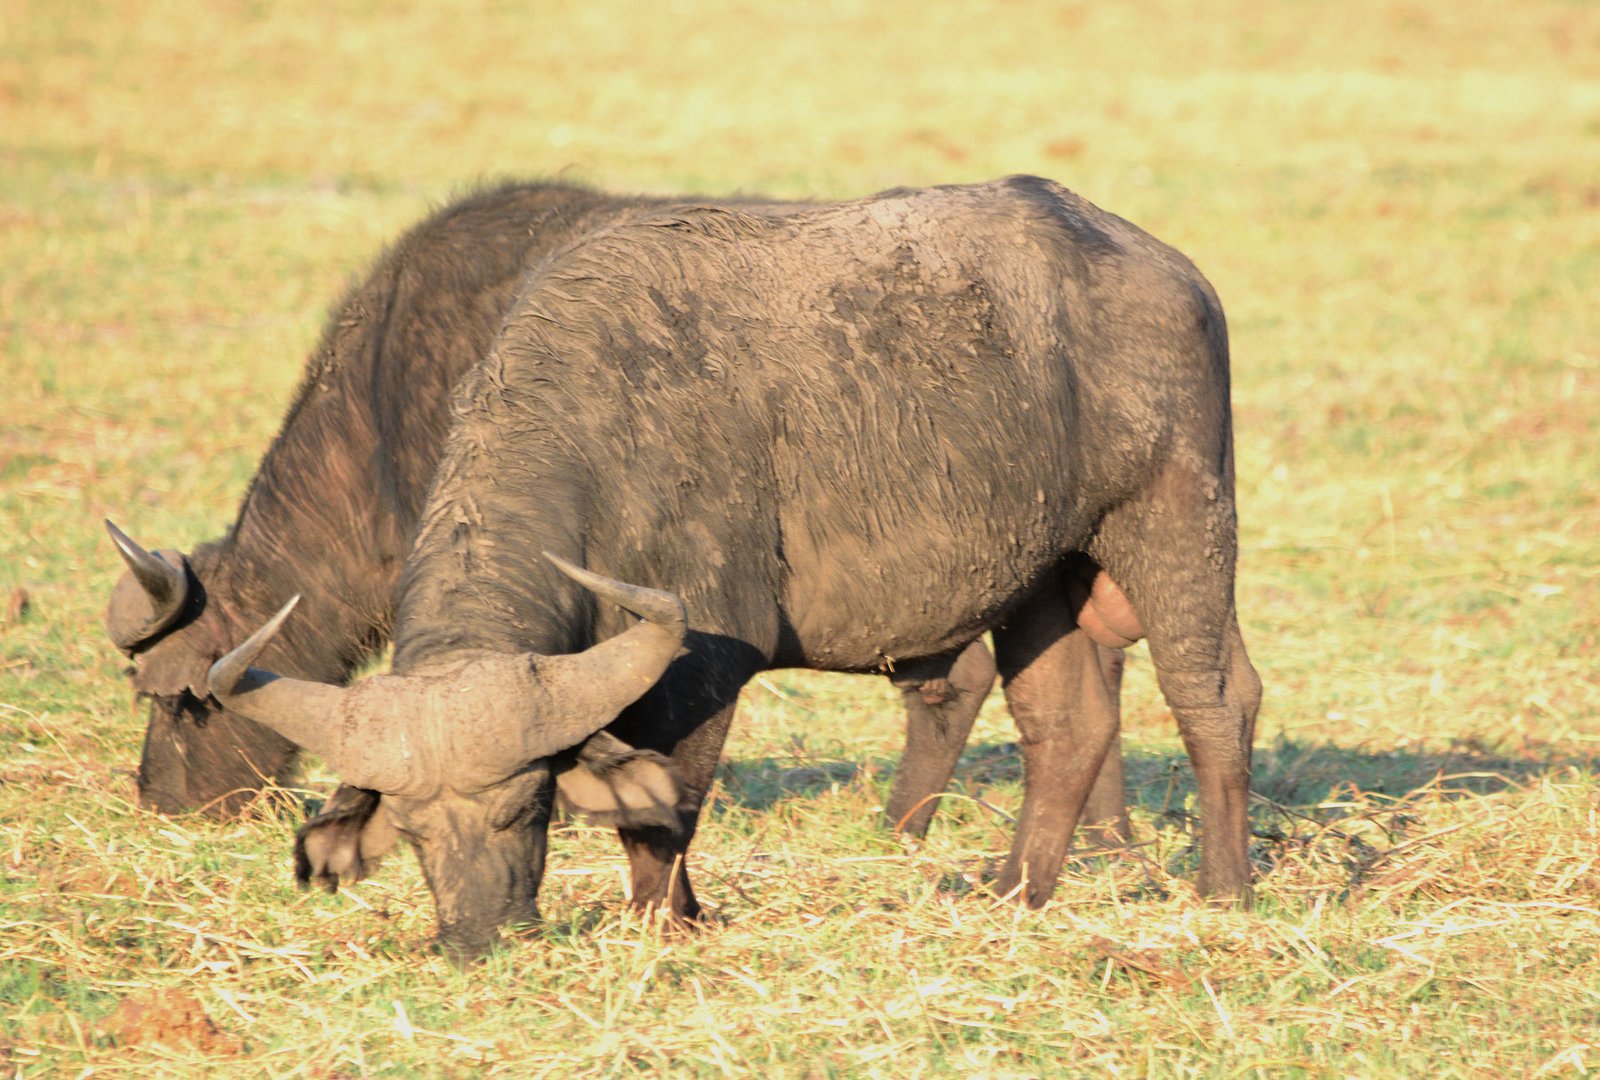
[(1399, 204)]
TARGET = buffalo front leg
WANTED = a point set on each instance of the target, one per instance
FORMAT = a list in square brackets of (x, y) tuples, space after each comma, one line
[(657, 857), (942, 698), (686, 716), (1067, 724)]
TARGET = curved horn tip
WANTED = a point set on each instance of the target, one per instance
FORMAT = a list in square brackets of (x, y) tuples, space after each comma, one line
[(590, 580), (131, 552), (226, 672), (156, 574), (125, 543), (660, 606), (566, 566)]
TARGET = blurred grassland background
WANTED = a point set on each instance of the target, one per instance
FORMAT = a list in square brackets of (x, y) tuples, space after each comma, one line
[(1399, 204)]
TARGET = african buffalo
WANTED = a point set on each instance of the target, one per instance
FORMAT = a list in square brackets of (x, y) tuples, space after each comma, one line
[(336, 500), (846, 437)]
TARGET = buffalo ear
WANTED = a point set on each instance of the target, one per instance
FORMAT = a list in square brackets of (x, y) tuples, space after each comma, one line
[(613, 783), (345, 842)]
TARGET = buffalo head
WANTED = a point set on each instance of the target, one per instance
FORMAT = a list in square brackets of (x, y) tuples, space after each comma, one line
[(457, 757), (197, 755)]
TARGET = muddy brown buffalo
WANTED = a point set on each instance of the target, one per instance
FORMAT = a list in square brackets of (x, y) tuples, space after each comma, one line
[(843, 437), (335, 503)]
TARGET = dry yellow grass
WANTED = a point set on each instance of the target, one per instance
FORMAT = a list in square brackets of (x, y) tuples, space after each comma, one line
[(1400, 206)]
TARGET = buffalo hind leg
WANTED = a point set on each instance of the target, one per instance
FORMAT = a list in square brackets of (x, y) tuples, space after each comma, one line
[(942, 699), (940, 709), (1216, 709), (1104, 821), (1067, 724), (1172, 552)]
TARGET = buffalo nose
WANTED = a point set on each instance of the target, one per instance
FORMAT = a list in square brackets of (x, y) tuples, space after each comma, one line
[(463, 948)]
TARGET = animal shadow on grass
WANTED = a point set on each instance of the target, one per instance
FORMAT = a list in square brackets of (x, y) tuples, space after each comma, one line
[(762, 783), (1352, 806), (1286, 772)]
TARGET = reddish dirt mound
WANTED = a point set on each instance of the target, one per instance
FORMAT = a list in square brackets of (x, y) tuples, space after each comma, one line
[(171, 1018), (17, 605)]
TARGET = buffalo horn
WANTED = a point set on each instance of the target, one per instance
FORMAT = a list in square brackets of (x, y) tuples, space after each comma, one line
[(309, 714), (469, 724), (510, 710), (165, 586), (608, 677)]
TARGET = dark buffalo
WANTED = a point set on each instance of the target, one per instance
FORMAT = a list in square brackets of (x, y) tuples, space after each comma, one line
[(336, 501), (847, 437)]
